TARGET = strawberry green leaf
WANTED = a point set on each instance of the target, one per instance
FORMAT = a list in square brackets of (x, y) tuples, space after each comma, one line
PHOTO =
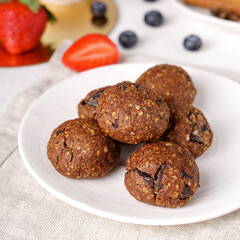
[(33, 5), (51, 18)]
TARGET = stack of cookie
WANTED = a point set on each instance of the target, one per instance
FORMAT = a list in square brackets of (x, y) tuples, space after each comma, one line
[(157, 111)]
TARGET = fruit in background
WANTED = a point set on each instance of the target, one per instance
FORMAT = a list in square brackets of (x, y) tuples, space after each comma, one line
[(90, 51), (98, 9), (21, 24), (39, 54), (192, 43), (153, 18), (128, 39)]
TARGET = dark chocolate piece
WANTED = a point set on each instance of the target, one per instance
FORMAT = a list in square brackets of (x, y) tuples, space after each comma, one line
[(147, 178), (186, 192), (158, 177), (116, 123), (93, 100), (60, 131)]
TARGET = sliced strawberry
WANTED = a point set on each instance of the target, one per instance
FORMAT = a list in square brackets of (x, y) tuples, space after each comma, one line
[(91, 51)]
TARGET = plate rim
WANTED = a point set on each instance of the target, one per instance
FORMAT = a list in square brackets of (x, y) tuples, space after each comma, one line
[(227, 23), (83, 206)]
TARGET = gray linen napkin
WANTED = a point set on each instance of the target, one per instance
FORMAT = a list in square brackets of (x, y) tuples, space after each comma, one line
[(27, 211)]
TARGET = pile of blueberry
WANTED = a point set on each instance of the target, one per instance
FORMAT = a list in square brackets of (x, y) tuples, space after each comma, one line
[(154, 18)]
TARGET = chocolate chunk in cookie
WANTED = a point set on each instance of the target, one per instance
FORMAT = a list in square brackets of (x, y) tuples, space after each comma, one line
[(79, 149), (163, 174), (87, 106)]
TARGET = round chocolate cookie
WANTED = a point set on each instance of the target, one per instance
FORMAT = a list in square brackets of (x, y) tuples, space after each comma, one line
[(189, 128), (171, 82), (87, 106), (131, 113), (78, 149), (163, 174)]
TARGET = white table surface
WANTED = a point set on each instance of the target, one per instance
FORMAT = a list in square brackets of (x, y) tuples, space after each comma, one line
[(220, 51)]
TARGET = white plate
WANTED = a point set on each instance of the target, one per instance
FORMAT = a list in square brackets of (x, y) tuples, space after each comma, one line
[(204, 14), (218, 97)]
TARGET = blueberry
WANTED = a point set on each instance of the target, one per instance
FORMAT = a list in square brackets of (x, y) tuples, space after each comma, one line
[(153, 18), (128, 39), (192, 42), (98, 9)]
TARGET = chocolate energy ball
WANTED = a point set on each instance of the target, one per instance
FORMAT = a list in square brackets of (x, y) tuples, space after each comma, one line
[(78, 149), (131, 113), (163, 174), (171, 82), (189, 128), (87, 106)]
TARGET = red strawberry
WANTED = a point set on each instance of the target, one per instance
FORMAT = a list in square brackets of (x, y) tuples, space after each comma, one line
[(91, 51), (20, 27)]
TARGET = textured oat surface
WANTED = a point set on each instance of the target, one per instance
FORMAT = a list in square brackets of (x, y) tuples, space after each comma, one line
[(131, 113), (163, 174), (189, 128), (87, 106), (171, 82), (78, 148)]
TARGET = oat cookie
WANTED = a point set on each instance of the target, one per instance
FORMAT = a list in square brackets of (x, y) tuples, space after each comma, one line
[(87, 106), (163, 174), (78, 149), (189, 128), (131, 113), (171, 82)]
